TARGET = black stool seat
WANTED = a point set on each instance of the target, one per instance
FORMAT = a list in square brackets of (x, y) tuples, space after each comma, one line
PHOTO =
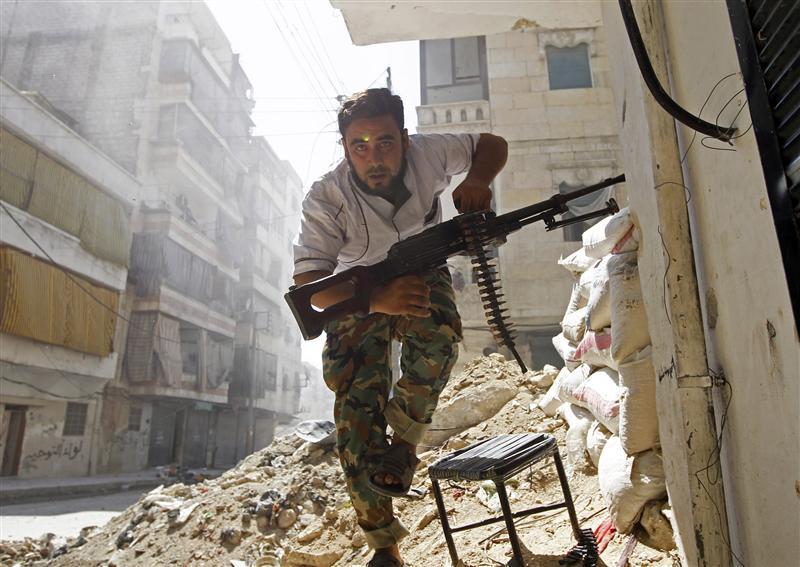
[(498, 459)]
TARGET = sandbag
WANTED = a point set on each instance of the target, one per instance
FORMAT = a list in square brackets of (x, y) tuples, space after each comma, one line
[(596, 438), (600, 395), (577, 262), (595, 349), (628, 316), (576, 299), (598, 303), (638, 417), (576, 416), (550, 402), (566, 350), (601, 238), (628, 483), (574, 325), (579, 421), (571, 382)]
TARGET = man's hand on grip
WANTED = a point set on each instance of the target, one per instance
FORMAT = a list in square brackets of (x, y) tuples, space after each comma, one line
[(406, 295)]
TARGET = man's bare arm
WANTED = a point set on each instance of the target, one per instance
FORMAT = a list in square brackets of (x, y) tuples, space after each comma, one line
[(407, 295), (473, 194)]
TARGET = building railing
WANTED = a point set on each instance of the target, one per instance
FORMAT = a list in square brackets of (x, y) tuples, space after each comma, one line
[(466, 112)]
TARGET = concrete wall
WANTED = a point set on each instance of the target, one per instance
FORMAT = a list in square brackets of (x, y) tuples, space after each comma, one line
[(46, 452), (750, 332), (554, 136), (747, 321)]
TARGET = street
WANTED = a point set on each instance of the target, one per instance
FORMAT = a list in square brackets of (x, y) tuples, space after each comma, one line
[(62, 517)]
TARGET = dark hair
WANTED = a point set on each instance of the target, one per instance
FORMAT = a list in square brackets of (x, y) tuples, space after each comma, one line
[(369, 104)]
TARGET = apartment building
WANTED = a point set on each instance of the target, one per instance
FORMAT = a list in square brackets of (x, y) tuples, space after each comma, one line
[(157, 87), (64, 257), (548, 95)]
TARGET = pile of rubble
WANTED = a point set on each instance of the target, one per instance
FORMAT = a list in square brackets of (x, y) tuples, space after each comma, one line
[(286, 504)]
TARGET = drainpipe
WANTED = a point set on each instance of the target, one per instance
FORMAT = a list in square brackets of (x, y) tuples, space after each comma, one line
[(658, 202)]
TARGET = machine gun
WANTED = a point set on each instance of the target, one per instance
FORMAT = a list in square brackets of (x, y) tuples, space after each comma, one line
[(470, 233)]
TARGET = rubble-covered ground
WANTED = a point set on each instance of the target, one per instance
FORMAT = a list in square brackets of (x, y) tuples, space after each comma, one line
[(287, 505)]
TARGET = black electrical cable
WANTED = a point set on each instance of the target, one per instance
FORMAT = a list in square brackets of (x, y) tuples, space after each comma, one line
[(658, 92)]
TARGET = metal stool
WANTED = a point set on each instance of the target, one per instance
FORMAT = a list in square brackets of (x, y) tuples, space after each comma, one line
[(498, 459)]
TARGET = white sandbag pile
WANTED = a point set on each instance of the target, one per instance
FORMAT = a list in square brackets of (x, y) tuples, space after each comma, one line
[(608, 372)]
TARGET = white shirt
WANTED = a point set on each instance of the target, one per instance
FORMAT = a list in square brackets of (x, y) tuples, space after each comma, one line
[(342, 226)]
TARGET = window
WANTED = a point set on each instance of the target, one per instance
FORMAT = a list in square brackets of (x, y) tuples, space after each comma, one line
[(568, 67), (453, 70), (135, 418), (287, 383), (580, 206), (75, 419)]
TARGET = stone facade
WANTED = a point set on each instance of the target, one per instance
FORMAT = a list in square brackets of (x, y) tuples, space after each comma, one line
[(158, 89), (565, 136)]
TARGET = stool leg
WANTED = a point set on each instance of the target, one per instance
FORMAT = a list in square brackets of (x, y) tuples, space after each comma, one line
[(512, 531), (448, 535), (562, 477)]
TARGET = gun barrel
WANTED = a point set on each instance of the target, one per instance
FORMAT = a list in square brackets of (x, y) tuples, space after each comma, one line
[(556, 204)]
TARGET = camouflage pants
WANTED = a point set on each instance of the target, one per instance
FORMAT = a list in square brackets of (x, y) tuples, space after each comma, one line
[(357, 367)]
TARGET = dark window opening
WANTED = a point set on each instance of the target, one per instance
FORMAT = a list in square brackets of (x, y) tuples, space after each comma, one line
[(568, 67), (135, 418), (75, 419)]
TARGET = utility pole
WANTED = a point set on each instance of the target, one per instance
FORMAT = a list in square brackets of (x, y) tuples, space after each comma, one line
[(389, 78)]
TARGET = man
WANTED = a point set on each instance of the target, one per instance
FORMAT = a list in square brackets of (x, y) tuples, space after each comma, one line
[(387, 189)]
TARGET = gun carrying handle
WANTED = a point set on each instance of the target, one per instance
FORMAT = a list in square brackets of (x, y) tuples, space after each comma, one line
[(312, 320)]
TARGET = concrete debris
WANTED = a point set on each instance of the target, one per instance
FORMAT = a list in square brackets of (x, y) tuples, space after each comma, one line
[(286, 504)]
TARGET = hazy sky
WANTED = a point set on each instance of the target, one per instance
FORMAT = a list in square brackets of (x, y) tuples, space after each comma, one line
[(299, 57)]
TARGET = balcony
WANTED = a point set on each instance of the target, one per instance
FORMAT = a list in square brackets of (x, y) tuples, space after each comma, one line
[(169, 278), (466, 116), (199, 240), (209, 86), (170, 357), (188, 154)]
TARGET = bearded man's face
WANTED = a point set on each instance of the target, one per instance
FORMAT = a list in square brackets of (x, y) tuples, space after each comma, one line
[(375, 148)]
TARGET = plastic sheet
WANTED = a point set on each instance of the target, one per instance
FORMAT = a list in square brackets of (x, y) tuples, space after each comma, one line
[(105, 227), (58, 195), (153, 352), (219, 362), (41, 302), (54, 193)]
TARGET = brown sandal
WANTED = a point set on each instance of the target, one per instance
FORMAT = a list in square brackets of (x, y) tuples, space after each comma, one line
[(400, 461)]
